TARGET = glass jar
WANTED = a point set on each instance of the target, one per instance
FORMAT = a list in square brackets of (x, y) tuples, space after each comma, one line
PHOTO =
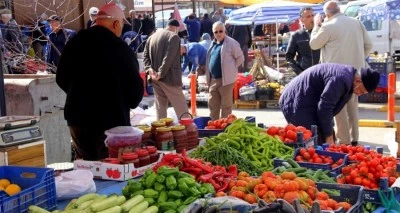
[(164, 139), (144, 157), (191, 130), (154, 126), (180, 137), (131, 157), (153, 153), (147, 135), (167, 121), (112, 160)]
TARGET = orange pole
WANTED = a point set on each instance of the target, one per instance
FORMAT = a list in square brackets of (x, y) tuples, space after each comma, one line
[(235, 91), (193, 102), (391, 99)]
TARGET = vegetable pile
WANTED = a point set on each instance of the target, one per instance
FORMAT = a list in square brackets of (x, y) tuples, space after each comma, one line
[(244, 145), (169, 189), (288, 134), (221, 123), (309, 155)]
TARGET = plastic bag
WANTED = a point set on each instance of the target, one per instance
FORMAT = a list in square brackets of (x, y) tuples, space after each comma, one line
[(389, 201), (123, 136), (247, 90), (273, 75), (74, 184)]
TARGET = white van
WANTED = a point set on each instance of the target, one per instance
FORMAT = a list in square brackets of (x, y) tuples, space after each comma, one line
[(384, 34)]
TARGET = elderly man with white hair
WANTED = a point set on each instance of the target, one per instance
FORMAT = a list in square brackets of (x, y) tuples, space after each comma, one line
[(92, 16), (10, 32), (342, 40)]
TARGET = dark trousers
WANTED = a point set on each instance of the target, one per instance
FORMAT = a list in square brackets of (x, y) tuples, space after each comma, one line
[(88, 143)]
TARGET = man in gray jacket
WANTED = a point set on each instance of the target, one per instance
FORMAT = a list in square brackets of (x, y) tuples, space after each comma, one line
[(162, 63)]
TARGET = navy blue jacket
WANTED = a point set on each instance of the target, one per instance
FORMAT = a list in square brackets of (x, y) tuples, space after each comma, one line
[(59, 40), (193, 29), (317, 95), (196, 54), (206, 26)]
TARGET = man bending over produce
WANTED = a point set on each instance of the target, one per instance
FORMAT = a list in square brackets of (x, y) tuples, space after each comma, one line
[(320, 92)]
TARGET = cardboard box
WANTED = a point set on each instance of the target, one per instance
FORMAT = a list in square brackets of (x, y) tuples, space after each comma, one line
[(109, 171)]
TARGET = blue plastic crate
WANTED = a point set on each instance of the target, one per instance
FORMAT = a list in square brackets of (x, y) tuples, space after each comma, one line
[(308, 143), (38, 188), (315, 166), (201, 123), (383, 69), (348, 193), (373, 97)]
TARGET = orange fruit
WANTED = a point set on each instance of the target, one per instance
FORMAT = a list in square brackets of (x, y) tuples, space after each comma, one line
[(13, 189), (4, 183), (1, 188)]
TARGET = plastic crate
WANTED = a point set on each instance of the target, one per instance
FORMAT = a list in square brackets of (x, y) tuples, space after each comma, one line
[(309, 142), (315, 166), (264, 94), (373, 97), (248, 97), (383, 68), (38, 188), (201, 123), (348, 193)]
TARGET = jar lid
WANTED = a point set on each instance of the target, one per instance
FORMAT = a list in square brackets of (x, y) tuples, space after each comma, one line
[(186, 121), (143, 153), (166, 120), (145, 128), (112, 160), (129, 156), (178, 127), (163, 129), (151, 149), (158, 123)]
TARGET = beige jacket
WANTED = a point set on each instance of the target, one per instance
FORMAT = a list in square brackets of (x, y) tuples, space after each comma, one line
[(231, 58), (342, 40)]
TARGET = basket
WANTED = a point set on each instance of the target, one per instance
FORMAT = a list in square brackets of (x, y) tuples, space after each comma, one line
[(348, 193), (309, 142), (315, 166), (373, 97), (38, 188), (201, 123), (265, 94)]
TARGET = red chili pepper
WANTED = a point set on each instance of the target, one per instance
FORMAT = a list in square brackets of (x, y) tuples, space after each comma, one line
[(192, 169), (184, 154), (224, 186), (178, 161), (170, 157), (233, 170), (219, 178), (198, 165), (214, 184), (209, 176), (220, 168)]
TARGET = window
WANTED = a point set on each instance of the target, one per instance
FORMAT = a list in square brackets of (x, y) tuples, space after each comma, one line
[(372, 25), (352, 11)]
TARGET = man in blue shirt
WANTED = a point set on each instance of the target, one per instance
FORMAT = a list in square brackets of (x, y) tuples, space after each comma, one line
[(196, 54), (193, 28)]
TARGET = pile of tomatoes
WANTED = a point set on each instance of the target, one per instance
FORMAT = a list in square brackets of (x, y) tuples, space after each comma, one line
[(288, 134), (221, 123), (309, 155)]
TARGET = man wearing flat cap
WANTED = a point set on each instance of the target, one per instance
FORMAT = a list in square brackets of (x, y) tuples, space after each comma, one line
[(58, 37), (162, 63), (321, 91)]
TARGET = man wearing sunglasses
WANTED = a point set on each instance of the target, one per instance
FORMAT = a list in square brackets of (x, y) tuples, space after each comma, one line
[(299, 54), (223, 59), (342, 40), (96, 105), (321, 92)]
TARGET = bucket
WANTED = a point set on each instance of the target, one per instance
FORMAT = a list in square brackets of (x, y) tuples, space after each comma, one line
[(121, 137)]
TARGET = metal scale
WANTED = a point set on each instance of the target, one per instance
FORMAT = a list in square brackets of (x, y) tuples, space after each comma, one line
[(21, 141)]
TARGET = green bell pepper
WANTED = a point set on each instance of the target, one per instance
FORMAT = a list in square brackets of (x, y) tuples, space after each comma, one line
[(171, 182)]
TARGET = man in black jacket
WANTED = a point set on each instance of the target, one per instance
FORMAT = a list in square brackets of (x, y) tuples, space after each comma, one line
[(299, 44), (134, 23), (96, 104), (206, 25), (242, 34)]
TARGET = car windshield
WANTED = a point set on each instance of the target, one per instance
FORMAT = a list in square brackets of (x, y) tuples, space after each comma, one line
[(352, 11)]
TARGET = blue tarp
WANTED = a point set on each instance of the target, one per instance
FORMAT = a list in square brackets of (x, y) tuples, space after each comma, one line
[(380, 10)]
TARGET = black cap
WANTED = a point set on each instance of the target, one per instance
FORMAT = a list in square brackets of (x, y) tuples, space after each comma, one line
[(173, 22), (370, 79), (55, 18)]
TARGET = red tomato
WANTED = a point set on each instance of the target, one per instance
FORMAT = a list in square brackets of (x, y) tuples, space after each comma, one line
[(302, 151), (300, 129), (212, 127), (291, 135), (223, 125), (217, 124), (318, 160), (290, 127), (357, 181), (311, 151), (232, 116), (225, 120), (272, 130), (210, 123), (299, 158), (282, 133)]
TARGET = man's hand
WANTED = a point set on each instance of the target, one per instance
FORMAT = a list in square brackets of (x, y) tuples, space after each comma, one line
[(318, 20), (153, 74)]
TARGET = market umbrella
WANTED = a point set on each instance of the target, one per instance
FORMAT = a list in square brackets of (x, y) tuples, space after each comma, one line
[(380, 10), (251, 2)]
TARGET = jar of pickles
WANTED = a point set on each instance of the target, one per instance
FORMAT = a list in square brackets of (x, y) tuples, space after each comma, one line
[(192, 131), (153, 153), (154, 126), (144, 157), (147, 135), (180, 137), (168, 121), (164, 139)]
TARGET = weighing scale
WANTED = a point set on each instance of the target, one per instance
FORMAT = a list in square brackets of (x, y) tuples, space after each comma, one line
[(21, 141)]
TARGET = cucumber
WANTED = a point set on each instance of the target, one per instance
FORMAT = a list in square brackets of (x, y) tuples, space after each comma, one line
[(128, 205), (293, 163), (297, 170), (71, 205), (56, 211), (115, 209), (86, 197), (140, 207), (85, 205), (151, 209), (286, 165), (120, 200), (104, 204), (36, 209)]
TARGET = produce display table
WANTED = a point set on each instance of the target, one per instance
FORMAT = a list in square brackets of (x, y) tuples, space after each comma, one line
[(102, 187)]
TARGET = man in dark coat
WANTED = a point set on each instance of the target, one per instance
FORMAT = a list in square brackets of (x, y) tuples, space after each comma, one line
[(96, 105), (206, 25), (58, 38), (242, 34), (148, 26), (320, 92), (134, 23)]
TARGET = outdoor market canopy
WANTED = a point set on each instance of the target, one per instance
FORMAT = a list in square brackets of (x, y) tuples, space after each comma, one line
[(381, 10), (270, 12), (251, 2)]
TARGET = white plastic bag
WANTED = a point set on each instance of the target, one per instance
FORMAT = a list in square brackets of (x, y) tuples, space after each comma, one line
[(74, 184), (123, 136), (273, 75)]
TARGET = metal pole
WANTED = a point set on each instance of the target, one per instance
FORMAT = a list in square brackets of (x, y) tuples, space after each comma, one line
[(3, 111), (198, 9), (162, 12), (153, 10), (194, 6)]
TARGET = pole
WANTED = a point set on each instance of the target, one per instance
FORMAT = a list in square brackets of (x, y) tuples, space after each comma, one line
[(277, 46), (153, 8), (194, 6), (198, 9), (162, 12), (193, 100), (3, 111), (391, 98)]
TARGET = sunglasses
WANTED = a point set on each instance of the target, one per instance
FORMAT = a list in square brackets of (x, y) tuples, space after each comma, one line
[(220, 31)]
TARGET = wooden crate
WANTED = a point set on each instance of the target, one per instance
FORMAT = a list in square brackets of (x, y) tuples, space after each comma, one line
[(30, 154), (272, 104), (248, 104)]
